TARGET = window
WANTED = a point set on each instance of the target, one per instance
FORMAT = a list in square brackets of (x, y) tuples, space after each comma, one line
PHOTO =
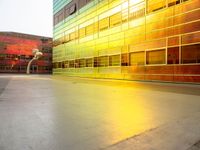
[(62, 40), (66, 64), (190, 54), (54, 65), (173, 2), (22, 68), (22, 57), (104, 24), (2, 56), (125, 15), (154, 5), (82, 32), (41, 67), (59, 64), (89, 62), (155, 57), (46, 49), (55, 42), (66, 14), (72, 9), (71, 64), (2, 67), (134, 2), (89, 29), (95, 62), (60, 17), (66, 38), (2, 45), (77, 63), (115, 19), (44, 40), (47, 68), (103, 61), (73, 35), (96, 27), (124, 11), (55, 19), (82, 63), (114, 60), (125, 59), (173, 55), (136, 11), (88, 1), (28, 58), (137, 58), (82, 3)]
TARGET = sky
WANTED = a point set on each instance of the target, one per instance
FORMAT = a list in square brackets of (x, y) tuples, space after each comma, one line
[(27, 16)]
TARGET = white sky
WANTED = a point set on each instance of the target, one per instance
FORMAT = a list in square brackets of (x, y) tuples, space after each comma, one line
[(27, 16)]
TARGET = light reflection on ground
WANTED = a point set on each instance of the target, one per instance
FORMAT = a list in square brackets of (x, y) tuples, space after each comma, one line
[(87, 114)]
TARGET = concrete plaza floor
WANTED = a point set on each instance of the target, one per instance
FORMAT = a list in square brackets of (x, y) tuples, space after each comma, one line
[(61, 113)]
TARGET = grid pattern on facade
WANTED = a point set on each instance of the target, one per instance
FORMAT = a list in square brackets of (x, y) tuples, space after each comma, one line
[(16, 52), (115, 36)]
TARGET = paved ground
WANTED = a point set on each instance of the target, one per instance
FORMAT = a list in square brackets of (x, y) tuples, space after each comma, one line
[(56, 113)]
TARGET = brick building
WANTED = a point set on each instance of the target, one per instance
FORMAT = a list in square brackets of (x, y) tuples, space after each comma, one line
[(16, 52)]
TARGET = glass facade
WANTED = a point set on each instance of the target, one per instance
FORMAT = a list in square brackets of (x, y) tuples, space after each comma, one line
[(16, 52), (128, 39)]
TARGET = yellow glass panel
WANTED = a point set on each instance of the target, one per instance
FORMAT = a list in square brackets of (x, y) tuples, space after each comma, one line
[(96, 27), (115, 19), (104, 24), (82, 32), (103, 61), (155, 57), (137, 58), (133, 2), (137, 11), (154, 5), (89, 62), (89, 29), (114, 60)]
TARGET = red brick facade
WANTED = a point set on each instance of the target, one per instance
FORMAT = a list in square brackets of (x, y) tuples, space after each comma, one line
[(16, 52)]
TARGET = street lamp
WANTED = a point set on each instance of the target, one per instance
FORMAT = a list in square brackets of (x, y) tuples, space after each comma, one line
[(37, 54)]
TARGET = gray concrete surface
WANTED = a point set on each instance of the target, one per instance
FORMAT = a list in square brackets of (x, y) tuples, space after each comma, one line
[(57, 113)]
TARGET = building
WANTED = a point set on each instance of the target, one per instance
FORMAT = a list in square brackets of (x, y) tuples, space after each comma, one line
[(16, 52), (128, 39)]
